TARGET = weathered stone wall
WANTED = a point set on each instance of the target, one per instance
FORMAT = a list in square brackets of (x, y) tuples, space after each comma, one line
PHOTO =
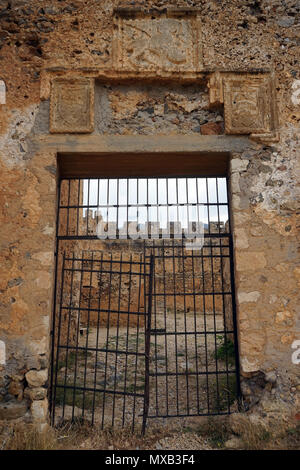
[(236, 35)]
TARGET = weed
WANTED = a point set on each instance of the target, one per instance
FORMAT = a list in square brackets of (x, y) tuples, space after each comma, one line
[(226, 351), (216, 432), (222, 392)]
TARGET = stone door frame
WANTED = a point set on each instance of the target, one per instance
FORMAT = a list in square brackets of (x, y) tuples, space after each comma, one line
[(212, 156)]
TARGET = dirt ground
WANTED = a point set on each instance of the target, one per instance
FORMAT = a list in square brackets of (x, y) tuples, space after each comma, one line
[(170, 395)]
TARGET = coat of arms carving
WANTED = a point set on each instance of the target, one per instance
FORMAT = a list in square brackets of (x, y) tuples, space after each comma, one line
[(169, 42), (247, 104), (71, 109)]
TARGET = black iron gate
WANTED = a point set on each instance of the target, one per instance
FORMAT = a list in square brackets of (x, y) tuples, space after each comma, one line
[(102, 340), (144, 326), (193, 360)]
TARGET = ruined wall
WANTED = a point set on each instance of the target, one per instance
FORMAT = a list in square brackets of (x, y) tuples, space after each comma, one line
[(236, 35)]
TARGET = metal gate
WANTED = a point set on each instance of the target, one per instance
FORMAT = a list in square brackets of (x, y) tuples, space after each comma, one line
[(102, 340), (193, 360), (144, 323)]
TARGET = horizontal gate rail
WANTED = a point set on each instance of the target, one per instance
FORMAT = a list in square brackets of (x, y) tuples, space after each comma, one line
[(104, 271), (99, 390), (181, 294), (175, 333), (113, 351), (103, 310), (174, 374), (170, 236), (111, 262)]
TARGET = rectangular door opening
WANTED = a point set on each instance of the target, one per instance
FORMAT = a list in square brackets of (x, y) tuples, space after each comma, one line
[(144, 325)]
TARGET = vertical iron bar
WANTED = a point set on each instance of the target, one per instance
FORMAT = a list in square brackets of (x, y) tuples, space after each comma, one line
[(205, 327), (215, 324), (165, 321), (54, 299), (185, 328), (155, 336), (107, 341), (91, 264), (68, 333), (175, 326), (225, 326), (127, 340), (147, 344), (223, 300), (77, 337), (117, 339), (97, 338), (236, 348), (58, 334), (233, 297), (195, 326), (137, 340)]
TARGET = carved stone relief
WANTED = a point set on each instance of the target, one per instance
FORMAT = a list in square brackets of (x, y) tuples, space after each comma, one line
[(249, 103), (169, 42), (72, 105)]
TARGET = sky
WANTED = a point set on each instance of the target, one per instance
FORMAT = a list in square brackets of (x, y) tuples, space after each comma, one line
[(173, 199)]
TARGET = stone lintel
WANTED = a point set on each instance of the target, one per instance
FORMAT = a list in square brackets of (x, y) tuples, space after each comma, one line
[(143, 143)]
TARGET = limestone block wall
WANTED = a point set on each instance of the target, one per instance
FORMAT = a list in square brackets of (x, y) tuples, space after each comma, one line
[(236, 35)]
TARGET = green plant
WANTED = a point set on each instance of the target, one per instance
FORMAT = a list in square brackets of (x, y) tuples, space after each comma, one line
[(222, 392), (68, 397), (73, 356), (225, 351)]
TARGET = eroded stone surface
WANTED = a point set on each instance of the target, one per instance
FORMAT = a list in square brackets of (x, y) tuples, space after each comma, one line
[(37, 378), (39, 410), (12, 409), (72, 106), (151, 43)]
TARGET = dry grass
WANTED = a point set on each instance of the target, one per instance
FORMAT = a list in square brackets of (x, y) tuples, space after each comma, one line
[(78, 435), (28, 438), (212, 434), (81, 436), (251, 436)]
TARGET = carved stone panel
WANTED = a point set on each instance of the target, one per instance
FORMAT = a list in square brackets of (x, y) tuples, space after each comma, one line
[(72, 105), (169, 42), (247, 103)]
